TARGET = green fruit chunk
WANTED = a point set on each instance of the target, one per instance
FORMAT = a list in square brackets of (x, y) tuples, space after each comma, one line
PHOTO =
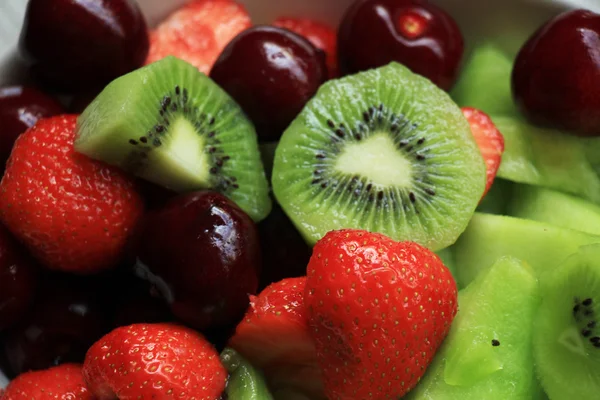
[(489, 237), (170, 124), (566, 340), (488, 352), (245, 381), (383, 150), (547, 158), (497, 198), (485, 81), (556, 208)]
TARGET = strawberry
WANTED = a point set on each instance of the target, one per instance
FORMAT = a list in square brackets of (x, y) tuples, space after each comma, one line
[(198, 32), (154, 361), (489, 139), (62, 382), (75, 214), (320, 35), (274, 336), (378, 311)]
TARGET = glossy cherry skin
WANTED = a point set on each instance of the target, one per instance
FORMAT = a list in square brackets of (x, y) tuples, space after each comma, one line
[(556, 76), (73, 45), (20, 108), (68, 317), (18, 278), (415, 33), (271, 72), (285, 253), (201, 251)]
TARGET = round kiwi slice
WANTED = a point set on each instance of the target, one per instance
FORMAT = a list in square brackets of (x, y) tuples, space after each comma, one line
[(566, 339), (384, 150), (170, 124)]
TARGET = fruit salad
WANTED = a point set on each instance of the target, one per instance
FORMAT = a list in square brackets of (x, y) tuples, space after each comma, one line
[(210, 208)]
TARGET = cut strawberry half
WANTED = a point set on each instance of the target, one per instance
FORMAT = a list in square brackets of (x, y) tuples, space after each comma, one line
[(320, 35), (274, 337), (489, 139), (198, 32)]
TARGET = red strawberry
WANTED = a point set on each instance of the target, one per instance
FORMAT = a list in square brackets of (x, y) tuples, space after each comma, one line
[(198, 32), (154, 361), (75, 214), (378, 311), (64, 382), (489, 139), (274, 336), (320, 35)]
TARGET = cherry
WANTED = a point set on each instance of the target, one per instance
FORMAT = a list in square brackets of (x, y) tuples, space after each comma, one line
[(201, 252), (285, 254), (20, 108), (556, 76), (271, 72), (415, 33), (17, 280), (75, 45), (69, 315)]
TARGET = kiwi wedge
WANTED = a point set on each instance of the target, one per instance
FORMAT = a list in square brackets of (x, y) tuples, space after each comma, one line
[(383, 150), (485, 81), (556, 208), (245, 382), (488, 353), (170, 124), (547, 158), (489, 237), (566, 340)]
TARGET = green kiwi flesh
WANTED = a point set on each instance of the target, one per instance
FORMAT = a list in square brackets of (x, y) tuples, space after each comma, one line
[(547, 158), (566, 340), (485, 81), (245, 382), (170, 124), (383, 150), (489, 237), (488, 352), (556, 208)]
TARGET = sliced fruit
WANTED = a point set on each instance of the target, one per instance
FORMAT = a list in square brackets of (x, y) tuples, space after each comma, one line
[(489, 139), (245, 382), (485, 81), (556, 208), (173, 126), (489, 237), (384, 151), (547, 158), (488, 353), (566, 339)]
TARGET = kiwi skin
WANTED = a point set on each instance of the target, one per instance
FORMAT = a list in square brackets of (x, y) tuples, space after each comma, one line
[(566, 339), (411, 118)]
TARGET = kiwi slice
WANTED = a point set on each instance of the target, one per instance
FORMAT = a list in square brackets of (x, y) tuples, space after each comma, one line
[(488, 352), (489, 237), (566, 339), (383, 150), (170, 124), (485, 81), (556, 208), (245, 382), (547, 158)]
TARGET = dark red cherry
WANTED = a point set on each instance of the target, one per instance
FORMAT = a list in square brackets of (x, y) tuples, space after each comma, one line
[(285, 254), (76, 45), (415, 33), (271, 72), (17, 280), (68, 317), (556, 76), (201, 252), (20, 108)]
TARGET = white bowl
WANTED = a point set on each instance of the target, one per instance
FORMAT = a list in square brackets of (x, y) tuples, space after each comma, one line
[(507, 22)]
